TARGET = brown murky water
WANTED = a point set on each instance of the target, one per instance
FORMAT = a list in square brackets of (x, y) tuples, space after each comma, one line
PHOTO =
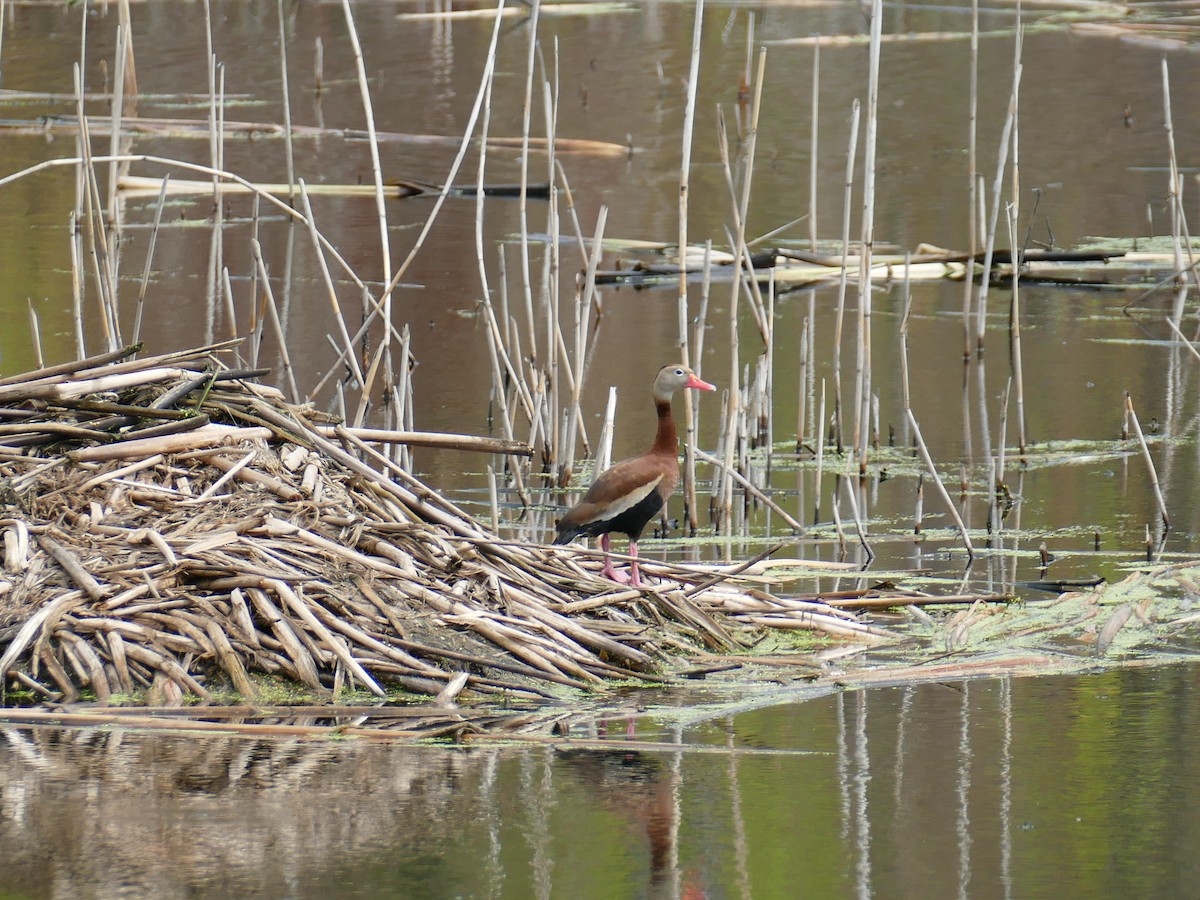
[(933, 791)]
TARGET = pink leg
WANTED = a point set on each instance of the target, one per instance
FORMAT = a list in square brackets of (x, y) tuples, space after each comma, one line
[(634, 580), (608, 571)]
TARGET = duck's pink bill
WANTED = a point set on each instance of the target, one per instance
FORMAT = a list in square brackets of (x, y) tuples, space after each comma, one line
[(694, 382)]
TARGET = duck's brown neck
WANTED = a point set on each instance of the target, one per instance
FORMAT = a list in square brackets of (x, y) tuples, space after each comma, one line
[(666, 441)]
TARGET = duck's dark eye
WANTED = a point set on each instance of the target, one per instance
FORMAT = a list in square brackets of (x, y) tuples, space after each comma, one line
[(679, 371)]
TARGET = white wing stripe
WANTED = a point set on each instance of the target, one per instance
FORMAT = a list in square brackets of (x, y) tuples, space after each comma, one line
[(630, 500)]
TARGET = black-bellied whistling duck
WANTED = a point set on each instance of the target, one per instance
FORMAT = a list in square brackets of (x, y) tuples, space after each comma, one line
[(628, 494)]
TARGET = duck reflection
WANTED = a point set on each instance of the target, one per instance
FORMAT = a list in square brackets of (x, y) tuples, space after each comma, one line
[(640, 789)]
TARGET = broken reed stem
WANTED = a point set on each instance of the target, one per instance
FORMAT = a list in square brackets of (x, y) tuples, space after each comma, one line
[(272, 312), (35, 334), (859, 523), (1187, 343), (1137, 430), (737, 476), (835, 509), (962, 528), (141, 300), (351, 356)]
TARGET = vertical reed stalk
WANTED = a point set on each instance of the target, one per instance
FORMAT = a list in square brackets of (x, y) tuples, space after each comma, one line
[(802, 388), (1015, 330), (289, 154), (702, 315), (118, 110), (496, 351), (75, 238), (523, 202), (739, 283), (257, 299), (604, 449), (820, 455), (839, 319), (102, 270), (493, 499), (1179, 231), (981, 390), (383, 351), (905, 392), (863, 367), (1001, 165), (405, 389), (918, 513), (582, 302), (743, 128), (211, 61), (318, 66), (813, 146), (689, 117), (972, 171), (769, 378)]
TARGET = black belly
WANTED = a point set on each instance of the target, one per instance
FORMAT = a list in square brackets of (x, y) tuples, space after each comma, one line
[(630, 522)]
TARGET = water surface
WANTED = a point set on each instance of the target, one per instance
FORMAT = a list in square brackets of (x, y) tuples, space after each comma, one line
[(1034, 787)]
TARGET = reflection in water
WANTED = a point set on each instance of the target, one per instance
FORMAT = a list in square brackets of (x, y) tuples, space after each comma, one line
[(964, 792), (1078, 786)]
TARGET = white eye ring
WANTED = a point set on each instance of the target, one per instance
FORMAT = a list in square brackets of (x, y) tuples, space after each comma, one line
[(679, 371)]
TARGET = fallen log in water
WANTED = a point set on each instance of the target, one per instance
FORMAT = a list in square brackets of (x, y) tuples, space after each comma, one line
[(267, 541)]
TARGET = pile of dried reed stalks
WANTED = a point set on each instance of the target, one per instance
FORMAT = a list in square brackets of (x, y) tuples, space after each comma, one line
[(172, 528)]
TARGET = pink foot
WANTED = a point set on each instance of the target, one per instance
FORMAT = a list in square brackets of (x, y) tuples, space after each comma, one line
[(612, 574)]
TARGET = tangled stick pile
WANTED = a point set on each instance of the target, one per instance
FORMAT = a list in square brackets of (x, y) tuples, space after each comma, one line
[(173, 528)]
